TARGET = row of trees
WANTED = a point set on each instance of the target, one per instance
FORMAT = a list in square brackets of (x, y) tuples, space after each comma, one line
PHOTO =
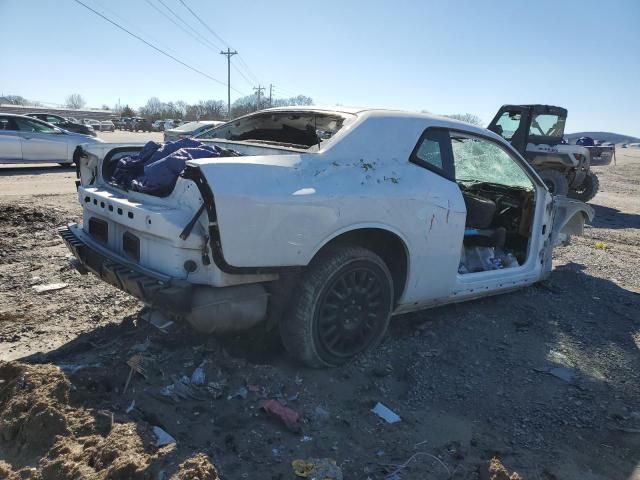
[(155, 109)]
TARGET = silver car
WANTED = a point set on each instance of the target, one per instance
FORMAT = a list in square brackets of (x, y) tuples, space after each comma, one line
[(107, 126), (28, 140)]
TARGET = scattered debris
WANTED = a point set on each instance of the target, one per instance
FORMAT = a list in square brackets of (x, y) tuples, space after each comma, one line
[(288, 416), (395, 475), (321, 414), (601, 246), (70, 369), (141, 347), (162, 437), (317, 469), (157, 319), (242, 393), (385, 413), (217, 388), (198, 375), (182, 389), (564, 374), (50, 287), (136, 365)]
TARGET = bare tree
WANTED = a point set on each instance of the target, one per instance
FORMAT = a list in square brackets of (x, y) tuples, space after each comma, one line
[(467, 117), (75, 100), (14, 100)]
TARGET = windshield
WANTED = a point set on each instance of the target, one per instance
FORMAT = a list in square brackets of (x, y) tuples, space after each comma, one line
[(291, 129)]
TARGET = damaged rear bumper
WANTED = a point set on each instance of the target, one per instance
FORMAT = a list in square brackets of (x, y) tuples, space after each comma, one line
[(208, 309), (152, 288)]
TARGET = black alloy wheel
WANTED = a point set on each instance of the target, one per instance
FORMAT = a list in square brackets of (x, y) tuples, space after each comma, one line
[(342, 307)]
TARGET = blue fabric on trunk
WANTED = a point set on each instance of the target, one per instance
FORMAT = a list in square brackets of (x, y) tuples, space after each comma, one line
[(156, 168)]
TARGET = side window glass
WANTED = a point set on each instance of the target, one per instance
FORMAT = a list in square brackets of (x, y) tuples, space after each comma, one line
[(25, 125), (433, 152), (429, 152), (6, 124), (478, 160), (509, 123)]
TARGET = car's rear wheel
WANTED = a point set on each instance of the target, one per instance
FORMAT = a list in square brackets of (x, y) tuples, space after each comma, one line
[(556, 181), (342, 307)]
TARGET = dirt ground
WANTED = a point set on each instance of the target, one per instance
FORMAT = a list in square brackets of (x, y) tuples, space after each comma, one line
[(546, 379)]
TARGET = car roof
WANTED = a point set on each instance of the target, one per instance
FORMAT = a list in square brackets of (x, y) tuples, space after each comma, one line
[(364, 112), (27, 117)]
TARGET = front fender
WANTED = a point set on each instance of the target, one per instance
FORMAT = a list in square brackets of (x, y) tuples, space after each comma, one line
[(569, 218)]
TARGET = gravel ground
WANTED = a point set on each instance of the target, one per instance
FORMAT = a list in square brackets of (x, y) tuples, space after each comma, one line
[(546, 378)]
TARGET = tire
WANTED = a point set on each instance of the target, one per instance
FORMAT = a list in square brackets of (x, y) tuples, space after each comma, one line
[(353, 280), (588, 189), (556, 181)]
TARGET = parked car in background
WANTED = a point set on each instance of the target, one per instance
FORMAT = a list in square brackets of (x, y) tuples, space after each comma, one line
[(107, 126), (64, 123), (95, 124), (138, 124), (24, 139), (158, 126), (118, 123), (189, 129), (323, 223), (73, 120)]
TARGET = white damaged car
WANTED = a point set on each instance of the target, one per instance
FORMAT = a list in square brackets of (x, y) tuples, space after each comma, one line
[(326, 224)]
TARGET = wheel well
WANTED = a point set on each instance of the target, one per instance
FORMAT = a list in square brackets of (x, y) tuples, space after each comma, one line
[(386, 245)]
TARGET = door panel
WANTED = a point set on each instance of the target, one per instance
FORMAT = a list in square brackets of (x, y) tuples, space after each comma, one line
[(41, 142), (44, 147), (10, 147)]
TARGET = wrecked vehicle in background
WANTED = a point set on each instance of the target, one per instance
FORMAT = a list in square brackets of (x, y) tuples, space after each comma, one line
[(324, 224)]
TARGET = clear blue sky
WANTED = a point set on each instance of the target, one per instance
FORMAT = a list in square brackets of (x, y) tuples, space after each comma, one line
[(442, 56)]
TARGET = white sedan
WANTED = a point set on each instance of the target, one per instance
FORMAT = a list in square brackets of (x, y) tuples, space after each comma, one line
[(322, 223), (28, 140)]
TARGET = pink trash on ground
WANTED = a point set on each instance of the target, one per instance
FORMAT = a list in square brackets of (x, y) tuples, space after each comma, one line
[(288, 416)]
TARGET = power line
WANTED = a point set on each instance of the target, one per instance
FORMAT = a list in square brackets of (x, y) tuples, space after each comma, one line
[(154, 47), (246, 67), (242, 74), (192, 34), (135, 28), (205, 25), (195, 35), (184, 22)]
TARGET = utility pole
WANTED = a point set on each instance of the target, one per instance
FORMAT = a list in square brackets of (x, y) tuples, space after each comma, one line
[(271, 85), (258, 90), (229, 54)]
